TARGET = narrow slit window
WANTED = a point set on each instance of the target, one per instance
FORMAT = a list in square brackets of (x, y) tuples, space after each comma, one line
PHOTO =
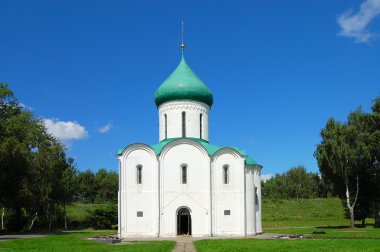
[(166, 126), (256, 197), (184, 174), (200, 125), (183, 124), (225, 174), (139, 174)]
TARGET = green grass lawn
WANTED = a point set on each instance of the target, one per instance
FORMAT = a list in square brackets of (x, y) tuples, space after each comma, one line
[(306, 245), (279, 216), (303, 217), (74, 242), (339, 232)]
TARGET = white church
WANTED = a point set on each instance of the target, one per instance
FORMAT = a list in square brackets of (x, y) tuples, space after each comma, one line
[(184, 185)]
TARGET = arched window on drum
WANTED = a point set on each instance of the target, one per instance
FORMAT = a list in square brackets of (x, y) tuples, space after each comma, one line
[(226, 174)]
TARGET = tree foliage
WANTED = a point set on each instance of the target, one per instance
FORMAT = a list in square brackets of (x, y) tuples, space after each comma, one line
[(294, 184), (108, 183), (37, 181), (32, 165), (100, 187), (348, 157)]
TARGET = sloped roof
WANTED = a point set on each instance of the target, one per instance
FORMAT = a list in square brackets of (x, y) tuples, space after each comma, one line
[(210, 148)]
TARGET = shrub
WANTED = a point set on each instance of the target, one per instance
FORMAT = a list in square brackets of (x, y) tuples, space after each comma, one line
[(104, 217)]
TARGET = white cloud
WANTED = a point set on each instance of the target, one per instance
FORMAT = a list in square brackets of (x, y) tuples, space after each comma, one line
[(65, 131), (265, 177), (105, 128), (354, 25), (26, 107)]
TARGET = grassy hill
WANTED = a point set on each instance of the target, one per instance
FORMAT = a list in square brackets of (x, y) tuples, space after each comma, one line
[(303, 212)]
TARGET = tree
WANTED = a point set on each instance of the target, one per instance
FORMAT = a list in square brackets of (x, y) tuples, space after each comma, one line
[(337, 161), (108, 183), (348, 157), (70, 186), (295, 183), (53, 170), (369, 197), (19, 133), (33, 166), (87, 187)]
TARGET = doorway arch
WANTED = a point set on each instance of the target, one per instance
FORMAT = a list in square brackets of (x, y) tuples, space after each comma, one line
[(183, 221)]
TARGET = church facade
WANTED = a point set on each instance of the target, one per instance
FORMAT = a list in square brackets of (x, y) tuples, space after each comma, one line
[(184, 185)]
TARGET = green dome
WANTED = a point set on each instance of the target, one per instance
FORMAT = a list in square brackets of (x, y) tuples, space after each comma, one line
[(183, 84)]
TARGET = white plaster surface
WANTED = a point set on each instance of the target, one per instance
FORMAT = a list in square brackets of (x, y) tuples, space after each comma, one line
[(173, 111), (162, 193)]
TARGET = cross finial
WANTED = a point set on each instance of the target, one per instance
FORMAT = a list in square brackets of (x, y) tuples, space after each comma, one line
[(183, 44)]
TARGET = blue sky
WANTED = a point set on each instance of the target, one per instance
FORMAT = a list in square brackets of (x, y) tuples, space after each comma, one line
[(278, 70)]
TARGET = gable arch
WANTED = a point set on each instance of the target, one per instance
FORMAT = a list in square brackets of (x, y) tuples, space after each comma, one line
[(227, 150), (221, 153), (133, 157), (227, 157), (180, 141), (136, 146)]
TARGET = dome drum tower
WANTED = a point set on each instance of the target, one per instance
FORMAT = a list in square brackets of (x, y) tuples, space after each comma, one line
[(183, 119), (183, 102)]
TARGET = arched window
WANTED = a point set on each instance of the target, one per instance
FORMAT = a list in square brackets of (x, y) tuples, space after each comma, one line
[(256, 197), (139, 174), (166, 126), (184, 174), (226, 174), (183, 124), (200, 125)]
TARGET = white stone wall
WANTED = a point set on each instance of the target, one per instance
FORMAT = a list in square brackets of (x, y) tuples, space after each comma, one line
[(258, 205), (173, 111), (161, 193), (194, 195), (136, 197), (250, 199), (228, 196)]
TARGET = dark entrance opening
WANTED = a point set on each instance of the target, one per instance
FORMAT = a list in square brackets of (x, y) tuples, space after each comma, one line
[(183, 222)]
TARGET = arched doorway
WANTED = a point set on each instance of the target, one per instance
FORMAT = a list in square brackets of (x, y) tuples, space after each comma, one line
[(183, 221)]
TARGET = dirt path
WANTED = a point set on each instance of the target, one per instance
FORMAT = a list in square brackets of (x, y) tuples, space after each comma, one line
[(184, 244), (19, 236)]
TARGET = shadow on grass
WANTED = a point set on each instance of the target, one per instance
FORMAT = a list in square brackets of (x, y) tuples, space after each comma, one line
[(332, 227), (344, 227), (46, 232)]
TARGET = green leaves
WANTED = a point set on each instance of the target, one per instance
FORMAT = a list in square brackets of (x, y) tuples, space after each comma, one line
[(348, 157), (101, 187), (32, 164), (294, 184)]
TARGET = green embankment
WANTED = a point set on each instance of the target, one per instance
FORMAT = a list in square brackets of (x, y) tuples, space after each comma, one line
[(303, 213)]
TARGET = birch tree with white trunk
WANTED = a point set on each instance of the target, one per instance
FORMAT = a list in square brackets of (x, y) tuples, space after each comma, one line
[(339, 162)]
